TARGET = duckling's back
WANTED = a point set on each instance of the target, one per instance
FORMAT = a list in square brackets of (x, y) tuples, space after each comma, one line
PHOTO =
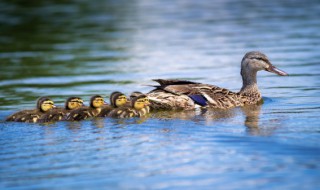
[(82, 114), (123, 112), (18, 114)]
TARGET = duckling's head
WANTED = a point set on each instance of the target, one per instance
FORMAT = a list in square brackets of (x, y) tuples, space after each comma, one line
[(135, 94), (140, 102), (117, 99), (73, 103), (44, 104), (255, 61), (96, 101)]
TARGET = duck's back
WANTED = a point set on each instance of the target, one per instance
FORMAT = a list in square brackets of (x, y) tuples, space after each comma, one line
[(188, 95)]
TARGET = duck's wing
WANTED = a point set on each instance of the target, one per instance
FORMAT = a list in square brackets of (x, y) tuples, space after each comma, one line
[(30, 117), (215, 96), (164, 82), (56, 114), (79, 114), (177, 94), (105, 110), (144, 111), (123, 112), (175, 86)]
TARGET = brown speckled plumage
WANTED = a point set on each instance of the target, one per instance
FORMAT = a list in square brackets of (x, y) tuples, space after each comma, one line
[(132, 111), (31, 116), (87, 112), (176, 94)]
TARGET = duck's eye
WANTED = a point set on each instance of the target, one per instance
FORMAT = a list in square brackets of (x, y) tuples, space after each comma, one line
[(259, 58)]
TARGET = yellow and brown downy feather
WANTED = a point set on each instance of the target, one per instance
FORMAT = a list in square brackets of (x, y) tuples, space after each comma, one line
[(96, 102), (60, 113), (139, 107), (187, 95), (44, 104), (117, 99)]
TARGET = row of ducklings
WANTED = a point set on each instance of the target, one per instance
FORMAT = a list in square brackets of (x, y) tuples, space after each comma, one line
[(74, 109)]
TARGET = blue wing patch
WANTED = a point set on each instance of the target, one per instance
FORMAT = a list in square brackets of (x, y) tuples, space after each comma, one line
[(199, 99)]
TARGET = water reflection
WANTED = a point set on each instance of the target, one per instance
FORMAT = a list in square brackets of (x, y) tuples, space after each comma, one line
[(216, 117)]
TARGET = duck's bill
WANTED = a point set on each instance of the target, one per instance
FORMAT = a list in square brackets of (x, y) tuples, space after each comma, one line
[(273, 69)]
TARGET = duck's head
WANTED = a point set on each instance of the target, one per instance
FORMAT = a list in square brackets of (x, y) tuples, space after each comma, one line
[(96, 101), (44, 104), (73, 103), (118, 99), (140, 102), (255, 61), (135, 94)]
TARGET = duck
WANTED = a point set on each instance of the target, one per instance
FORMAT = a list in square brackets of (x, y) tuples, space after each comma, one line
[(44, 104), (60, 113), (188, 95), (96, 103), (139, 108), (117, 99)]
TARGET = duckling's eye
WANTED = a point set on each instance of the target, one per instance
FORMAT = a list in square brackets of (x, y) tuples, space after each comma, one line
[(51, 103), (122, 97)]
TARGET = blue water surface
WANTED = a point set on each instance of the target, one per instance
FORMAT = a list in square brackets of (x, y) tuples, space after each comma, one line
[(64, 48)]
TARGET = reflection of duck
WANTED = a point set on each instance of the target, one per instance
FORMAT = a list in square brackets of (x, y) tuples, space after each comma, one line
[(44, 104), (58, 114), (139, 107), (117, 99), (178, 94), (96, 102)]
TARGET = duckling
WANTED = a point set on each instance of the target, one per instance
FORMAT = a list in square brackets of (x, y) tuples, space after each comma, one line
[(135, 94), (96, 103), (58, 114), (44, 104), (187, 95), (117, 99), (139, 107)]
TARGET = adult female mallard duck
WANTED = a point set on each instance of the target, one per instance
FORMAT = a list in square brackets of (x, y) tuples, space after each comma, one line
[(117, 99), (139, 107), (60, 113), (44, 104), (96, 102), (186, 95)]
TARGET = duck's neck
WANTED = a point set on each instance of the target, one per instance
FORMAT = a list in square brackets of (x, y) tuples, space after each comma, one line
[(249, 86)]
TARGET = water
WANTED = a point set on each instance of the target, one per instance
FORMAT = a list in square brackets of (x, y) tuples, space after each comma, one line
[(59, 49)]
